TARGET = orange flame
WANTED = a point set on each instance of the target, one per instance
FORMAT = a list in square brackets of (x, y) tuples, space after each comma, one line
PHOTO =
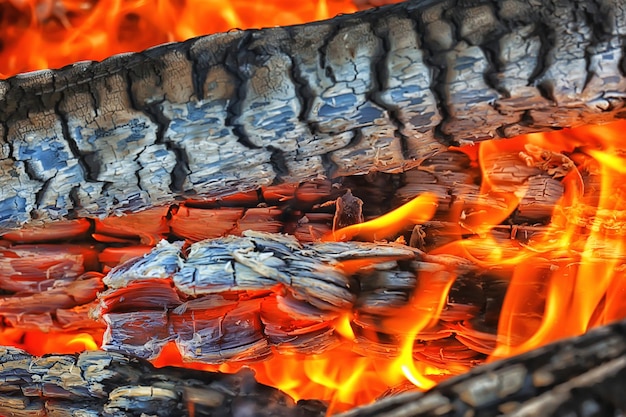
[(417, 211), (41, 343), (587, 275)]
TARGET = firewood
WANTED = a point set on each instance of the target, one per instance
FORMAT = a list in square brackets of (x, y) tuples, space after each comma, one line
[(96, 383), (301, 211), (300, 290), (569, 377), (233, 298), (380, 90), (144, 311)]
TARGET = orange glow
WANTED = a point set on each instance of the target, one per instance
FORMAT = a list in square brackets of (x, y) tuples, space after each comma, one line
[(561, 282), (40, 343), (67, 31)]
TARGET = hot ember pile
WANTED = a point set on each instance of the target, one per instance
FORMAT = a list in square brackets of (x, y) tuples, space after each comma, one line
[(508, 246)]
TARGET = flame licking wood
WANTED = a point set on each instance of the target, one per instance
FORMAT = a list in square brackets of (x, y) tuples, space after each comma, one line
[(564, 275), (370, 343)]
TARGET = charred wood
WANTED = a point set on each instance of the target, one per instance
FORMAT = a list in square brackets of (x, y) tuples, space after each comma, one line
[(301, 210), (583, 376), (96, 383), (304, 209), (292, 295), (377, 91)]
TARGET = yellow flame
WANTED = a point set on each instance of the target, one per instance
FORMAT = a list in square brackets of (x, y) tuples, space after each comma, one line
[(83, 341), (417, 211), (344, 327), (585, 250)]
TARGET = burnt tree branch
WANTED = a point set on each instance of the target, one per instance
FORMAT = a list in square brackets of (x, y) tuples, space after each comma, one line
[(378, 90)]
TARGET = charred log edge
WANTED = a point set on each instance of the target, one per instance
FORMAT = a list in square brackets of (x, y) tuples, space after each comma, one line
[(469, 43), (112, 384), (544, 377), (578, 372), (601, 389), (15, 91)]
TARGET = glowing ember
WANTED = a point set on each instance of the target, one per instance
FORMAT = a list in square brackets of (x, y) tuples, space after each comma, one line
[(40, 343)]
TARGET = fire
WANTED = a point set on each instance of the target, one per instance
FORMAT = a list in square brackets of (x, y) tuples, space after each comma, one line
[(417, 211), (563, 280), (578, 262), (40, 343), (66, 31)]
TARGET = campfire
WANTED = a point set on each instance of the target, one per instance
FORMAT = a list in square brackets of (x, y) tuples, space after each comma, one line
[(416, 209)]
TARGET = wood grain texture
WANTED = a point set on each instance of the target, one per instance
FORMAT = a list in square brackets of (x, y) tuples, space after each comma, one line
[(376, 91)]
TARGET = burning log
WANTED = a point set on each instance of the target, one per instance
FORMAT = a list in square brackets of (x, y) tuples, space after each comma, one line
[(97, 383), (249, 110), (377, 91), (575, 377), (245, 295), (571, 377)]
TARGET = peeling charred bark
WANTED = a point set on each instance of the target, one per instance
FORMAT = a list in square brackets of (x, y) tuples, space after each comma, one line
[(583, 376), (236, 299), (379, 90)]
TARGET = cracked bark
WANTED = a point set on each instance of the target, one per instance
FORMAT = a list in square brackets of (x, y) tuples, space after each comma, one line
[(376, 91)]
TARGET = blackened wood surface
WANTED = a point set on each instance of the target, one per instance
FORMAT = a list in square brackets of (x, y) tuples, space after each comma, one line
[(379, 90), (238, 299), (103, 384)]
